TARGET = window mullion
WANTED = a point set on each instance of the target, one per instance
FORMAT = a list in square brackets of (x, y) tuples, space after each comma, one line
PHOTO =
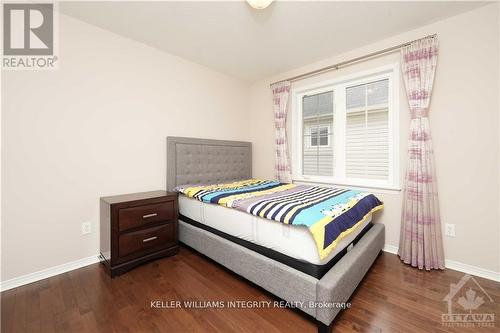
[(365, 139), (317, 138), (339, 131)]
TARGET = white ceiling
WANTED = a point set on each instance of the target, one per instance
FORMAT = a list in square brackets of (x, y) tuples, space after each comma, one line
[(235, 39)]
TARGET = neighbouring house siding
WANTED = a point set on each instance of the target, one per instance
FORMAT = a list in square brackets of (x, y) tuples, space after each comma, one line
[(317, 160)]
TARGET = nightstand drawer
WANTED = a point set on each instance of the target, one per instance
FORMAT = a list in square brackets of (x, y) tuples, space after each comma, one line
[(141, 216), (147, 240)]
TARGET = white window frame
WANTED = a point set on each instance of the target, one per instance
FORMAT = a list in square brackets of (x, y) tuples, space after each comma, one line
[(339, 86), (319, 126)]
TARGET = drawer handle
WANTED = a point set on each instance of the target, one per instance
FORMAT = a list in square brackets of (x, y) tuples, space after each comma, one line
[(147, 216), (149, 239)]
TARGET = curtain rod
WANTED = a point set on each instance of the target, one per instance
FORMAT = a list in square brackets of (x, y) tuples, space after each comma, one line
[(352, 61)]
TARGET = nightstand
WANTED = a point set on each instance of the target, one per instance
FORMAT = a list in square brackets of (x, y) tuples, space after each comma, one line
[(136, 228)]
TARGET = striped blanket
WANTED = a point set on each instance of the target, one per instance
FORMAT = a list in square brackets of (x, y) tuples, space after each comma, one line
[(329, 213)]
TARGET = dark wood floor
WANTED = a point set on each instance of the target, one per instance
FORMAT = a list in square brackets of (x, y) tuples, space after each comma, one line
[(392, 298)]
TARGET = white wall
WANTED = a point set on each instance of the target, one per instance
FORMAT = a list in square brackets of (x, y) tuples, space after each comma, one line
[(94, 127), (464, 117)]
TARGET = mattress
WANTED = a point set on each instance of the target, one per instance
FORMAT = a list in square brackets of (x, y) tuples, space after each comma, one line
[(293, 241)]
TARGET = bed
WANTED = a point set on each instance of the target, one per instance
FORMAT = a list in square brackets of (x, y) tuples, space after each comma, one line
[(241, 241)]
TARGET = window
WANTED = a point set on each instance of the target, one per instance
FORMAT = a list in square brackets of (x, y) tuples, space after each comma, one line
[(345, 131), (367, 131), (320, 135), (317, 121)]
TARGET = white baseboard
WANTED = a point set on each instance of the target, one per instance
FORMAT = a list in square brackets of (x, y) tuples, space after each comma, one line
[(457, 266), (46, 273), (390, 249), (473, 270)]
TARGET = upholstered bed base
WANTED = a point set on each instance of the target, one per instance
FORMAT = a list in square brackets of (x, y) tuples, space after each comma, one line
[(287, 283), (193, 161)]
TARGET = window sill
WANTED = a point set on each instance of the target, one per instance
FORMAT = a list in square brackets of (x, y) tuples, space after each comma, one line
[(352, 185)]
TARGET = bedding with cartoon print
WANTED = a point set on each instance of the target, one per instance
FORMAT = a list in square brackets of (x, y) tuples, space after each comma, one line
[(329, 213)]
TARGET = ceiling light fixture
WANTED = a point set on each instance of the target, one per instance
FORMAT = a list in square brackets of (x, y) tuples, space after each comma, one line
[(259, 4)]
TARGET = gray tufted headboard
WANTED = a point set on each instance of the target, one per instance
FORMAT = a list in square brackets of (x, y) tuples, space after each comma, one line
[(192, 161)]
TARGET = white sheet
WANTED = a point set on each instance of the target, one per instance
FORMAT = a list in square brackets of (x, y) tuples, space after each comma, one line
[(294, 241)]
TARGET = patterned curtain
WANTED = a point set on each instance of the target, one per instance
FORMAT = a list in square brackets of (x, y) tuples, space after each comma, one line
[(420, 243), (281, 91)]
